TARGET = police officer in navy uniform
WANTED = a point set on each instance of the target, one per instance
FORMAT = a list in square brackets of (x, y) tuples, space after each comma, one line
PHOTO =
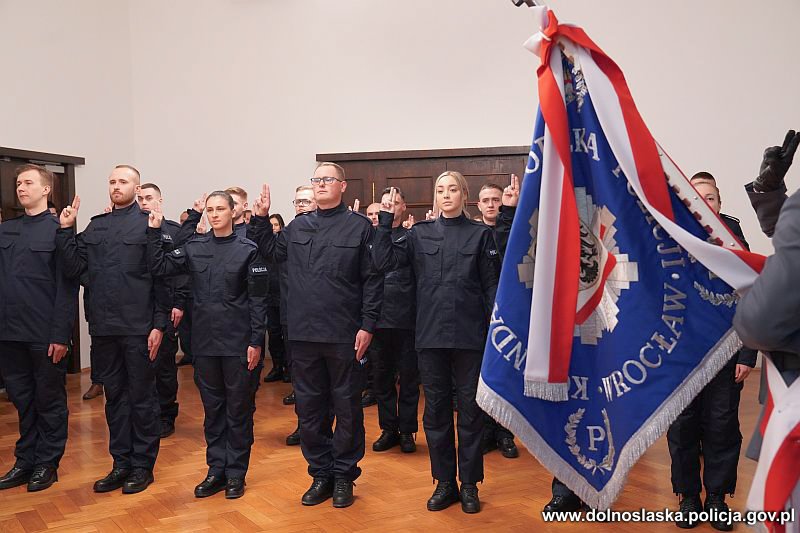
[(393, 350), (456, 265), (277, 347), (490, 198), (38, 306), (303, 203), (126, 325), (172, 293), (709, 426), (335, 298), (230, 287)]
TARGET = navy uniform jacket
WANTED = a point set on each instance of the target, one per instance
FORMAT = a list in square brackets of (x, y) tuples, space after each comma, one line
[(172, 292), (38, 302), (398, 310), (332, 284), (745, 356), (228, 286), (456, 265), (112, 251)]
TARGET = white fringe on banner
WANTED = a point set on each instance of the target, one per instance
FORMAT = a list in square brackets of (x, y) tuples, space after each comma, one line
[(652, 429), (543, 390)]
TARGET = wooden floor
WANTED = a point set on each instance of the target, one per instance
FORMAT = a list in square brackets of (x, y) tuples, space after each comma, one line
[(390, 495)]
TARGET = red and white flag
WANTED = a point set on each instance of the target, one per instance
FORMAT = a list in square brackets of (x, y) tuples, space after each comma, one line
[(776, 485)]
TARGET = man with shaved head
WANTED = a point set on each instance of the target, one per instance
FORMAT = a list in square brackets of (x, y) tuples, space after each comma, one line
[(125, 323)]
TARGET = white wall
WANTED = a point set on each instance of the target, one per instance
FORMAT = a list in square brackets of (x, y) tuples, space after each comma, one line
[(203, 94), (66, 89)]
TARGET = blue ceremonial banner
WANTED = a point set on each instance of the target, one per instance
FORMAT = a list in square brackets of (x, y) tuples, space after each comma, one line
[(653, 323)]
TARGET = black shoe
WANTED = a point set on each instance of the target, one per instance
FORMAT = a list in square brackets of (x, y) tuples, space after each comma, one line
[(716, 506), (167, 428), (488, 444), (342, 493), (321, 489), (15, 477), (235, 488), (42, 478), (689, 504), (407, 444), (276, 374), (139, 480), (210, 486), (94, 391), (387, 440), (444, 496), (287, 377), (368, 399), (558, 503), (470, 503), (508, 448), (294, 438), (113, 480), (289, 400)]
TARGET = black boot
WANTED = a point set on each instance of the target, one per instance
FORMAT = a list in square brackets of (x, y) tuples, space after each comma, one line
[(319, 491), (294, 438), (287, 377), (342, 493), (368, 399), (689, 504), (570, 502), (387, 440), (42, 478), (289, 400), (167, 428), (508, 448), (15, 477), (139, 480), (445, 494), (210, 486), (113, 480), (276, 374), (469, 498), (716, 506), (407, 444), (234, 488)]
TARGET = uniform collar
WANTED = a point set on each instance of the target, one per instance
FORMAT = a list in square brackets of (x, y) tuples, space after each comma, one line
[(332, 211), (119, 211), (228, 238), (455, 221), (28, 219)]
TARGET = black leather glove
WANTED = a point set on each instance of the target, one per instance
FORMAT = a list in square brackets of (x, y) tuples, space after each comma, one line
[(776, 163)]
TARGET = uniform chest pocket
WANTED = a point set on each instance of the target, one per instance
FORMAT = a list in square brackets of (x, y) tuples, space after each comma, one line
[(38, 261), (346, 255), (132, 252), (300, 250), (201, 280), (429, 257), (235, 281), (467, 267)]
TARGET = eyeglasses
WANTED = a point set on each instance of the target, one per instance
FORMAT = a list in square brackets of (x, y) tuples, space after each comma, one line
[(302, 203), (327, 180)]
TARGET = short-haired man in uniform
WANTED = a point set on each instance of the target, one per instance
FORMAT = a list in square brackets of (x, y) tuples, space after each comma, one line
[(393, 349), (126, 325), (172, 293), (328, 261), (38, 306), (303, 203)]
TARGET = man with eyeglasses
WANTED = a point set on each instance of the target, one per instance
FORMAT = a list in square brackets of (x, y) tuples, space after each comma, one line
[(303, 203), (328, 258)]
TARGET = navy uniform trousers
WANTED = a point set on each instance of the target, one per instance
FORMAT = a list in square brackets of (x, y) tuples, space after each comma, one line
[(36, 388)]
